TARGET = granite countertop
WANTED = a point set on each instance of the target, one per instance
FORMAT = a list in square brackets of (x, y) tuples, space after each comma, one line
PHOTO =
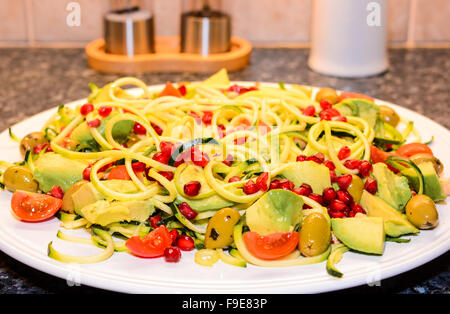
[(36, 79)]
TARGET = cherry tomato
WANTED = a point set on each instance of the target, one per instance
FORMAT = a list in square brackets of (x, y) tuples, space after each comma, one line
[(272, 246), (119, 173), (152, 245), (33, 207), (170, 90), (407, 150)]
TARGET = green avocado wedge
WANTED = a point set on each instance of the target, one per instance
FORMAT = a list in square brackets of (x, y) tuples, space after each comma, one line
[(310, 172), (364, 234), (276, 211), (395, 224)]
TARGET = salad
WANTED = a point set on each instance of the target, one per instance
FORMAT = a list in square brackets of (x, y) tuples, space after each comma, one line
[(258, 174)]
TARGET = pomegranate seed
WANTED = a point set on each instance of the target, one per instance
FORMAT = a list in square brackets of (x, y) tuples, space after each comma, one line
[(358, 208), (320, 156), (301, 158), (104, 111), (316, 197), (87, 173), (365, 168), (174, 235), (286, 184), (192, 188), (139, 129), (413, 193), (340, 118), (262, 181), (234, 179), (344, 152), (221, 130), (154, 220), (250, 187), (352, 164), (166, 148), (325, 116), (207, 117), (309, 111), (329, 164), (187, 211), (328, 195), (167, 174), (338, 205), (304, 189), (86, 108), (39, 147), (344, 181), (325, 104), (333, 176), (351, 214), (106, 167), (337, 214), (160, 157), (172, 254), (182, 89), (199, 158), (185, 242), (314, 158), (274, 184), (371, 185), (57, 192), (138, 166), (157, 129), (344, 197), (332, 112)]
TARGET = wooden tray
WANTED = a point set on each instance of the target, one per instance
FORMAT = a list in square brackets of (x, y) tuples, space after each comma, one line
[(168, 58)]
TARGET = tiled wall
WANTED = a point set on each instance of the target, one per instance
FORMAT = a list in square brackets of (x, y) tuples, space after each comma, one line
[(264, 22)]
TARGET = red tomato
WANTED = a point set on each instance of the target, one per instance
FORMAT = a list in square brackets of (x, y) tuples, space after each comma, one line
[(170, 90), (152, 245), (33, 207), (407, 150), (119, 173), (345, 95), (272, 246), (378, 155)]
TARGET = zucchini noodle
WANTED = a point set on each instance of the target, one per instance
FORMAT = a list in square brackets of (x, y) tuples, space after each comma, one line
[(184, 159)]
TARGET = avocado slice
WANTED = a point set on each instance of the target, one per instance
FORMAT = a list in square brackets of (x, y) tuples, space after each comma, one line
[(392, 188), (276, 211), (218, 78), (364, 234), (432, 186), (53, 169), (209, 203), (120, 132), (395, 224), (310, 172), (362, 108), (104, 213), (88, 194)]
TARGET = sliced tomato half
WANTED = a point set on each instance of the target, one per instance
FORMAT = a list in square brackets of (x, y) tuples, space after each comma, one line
[(152, 245), (119, 173), (272, 246), (34, 207)]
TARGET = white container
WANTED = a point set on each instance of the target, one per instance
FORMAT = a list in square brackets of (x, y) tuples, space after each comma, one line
[(348, 37)]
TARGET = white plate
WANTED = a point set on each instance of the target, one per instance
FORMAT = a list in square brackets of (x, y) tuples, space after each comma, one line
[(27, 242)]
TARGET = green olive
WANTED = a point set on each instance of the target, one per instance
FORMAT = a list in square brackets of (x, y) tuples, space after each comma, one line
[(421, 212), (219, 232), (387, 114), (356, 188), (19, 178), (30, 141), (68, 205), (328, 94), (420, 158), (315, 235)]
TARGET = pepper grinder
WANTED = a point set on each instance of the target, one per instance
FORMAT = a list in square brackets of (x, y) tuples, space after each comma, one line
[(205, 29), (129, 28)]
